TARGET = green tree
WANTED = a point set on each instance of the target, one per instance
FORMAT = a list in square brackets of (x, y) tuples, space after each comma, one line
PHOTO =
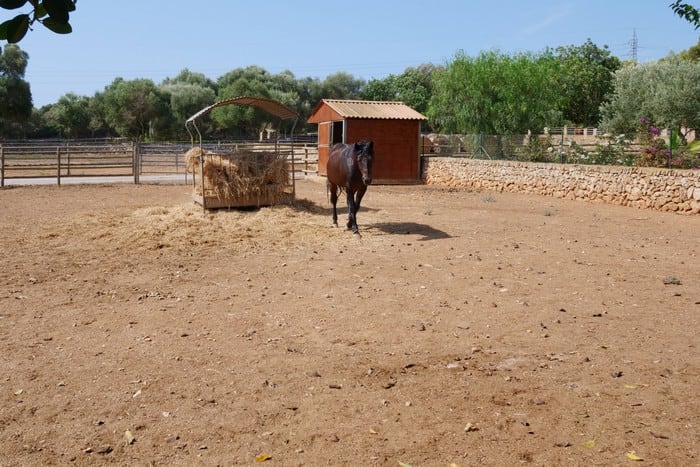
[(15, 93), (190, 77), (692, 54), (136, 108), (666, 93), (496, 94), (70, 116), (52, 14), (341, 85), (413, 87), (99, 126), (585, 80), (185, 99), (240, 121)]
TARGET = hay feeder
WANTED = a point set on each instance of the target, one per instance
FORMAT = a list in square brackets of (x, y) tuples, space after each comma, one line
[(242, 175)]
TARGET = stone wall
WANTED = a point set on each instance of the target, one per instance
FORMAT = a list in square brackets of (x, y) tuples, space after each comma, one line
[(641, 187)]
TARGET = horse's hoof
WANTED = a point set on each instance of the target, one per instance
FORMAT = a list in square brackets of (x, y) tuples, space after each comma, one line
[(356, 234)]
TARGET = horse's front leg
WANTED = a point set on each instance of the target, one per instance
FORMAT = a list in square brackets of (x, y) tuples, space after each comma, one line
[(334, 201), (352, 223), (358, 198)]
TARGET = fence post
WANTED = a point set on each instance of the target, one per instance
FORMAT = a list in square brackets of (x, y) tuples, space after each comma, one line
[(136, 166), (68, 159), (2, 166), (58, 165)]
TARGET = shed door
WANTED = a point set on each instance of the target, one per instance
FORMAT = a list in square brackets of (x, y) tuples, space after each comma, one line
[(329, 133)]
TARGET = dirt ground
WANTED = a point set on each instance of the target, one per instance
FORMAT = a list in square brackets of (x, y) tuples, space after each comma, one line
[(462, 328)]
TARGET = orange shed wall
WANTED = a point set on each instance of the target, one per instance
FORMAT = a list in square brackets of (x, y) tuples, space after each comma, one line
[(396, 156), (324, 131)]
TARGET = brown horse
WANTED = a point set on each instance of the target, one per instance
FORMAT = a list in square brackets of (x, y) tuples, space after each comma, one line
[(349, 168)]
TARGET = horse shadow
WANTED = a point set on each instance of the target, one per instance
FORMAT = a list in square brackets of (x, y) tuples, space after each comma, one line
[(412, 228), (306, 205), (393, 228)]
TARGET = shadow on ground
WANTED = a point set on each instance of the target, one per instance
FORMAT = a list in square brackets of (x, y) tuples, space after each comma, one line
[(412, 228)]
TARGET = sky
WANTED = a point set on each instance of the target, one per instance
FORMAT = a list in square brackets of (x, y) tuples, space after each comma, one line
[(156, 39)]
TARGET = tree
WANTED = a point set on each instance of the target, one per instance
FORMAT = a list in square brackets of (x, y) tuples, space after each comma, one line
[(53, 14), (687, 12), (136, 108), (15, 93), (239, 121), (413, 87), (185, 100), (585, 80), (341, 85), (692, 54), (70, 116), (496, 94), (666, 93)]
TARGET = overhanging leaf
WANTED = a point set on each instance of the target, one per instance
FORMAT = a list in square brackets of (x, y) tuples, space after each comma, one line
[(12, 4), (14, 30), (57, 9), (40, 11), (57, 27)]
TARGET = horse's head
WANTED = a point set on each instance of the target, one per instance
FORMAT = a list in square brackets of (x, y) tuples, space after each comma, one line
[(364, 151)]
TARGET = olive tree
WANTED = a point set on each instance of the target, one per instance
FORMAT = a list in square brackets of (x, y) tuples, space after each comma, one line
[(666, 93)]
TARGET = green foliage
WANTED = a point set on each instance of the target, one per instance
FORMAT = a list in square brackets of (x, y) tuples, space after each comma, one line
[(495, 93), (241, 121), (413, 87), (666, 92), (53, 14), (136, 108), (15, 94), (612, 150), (70, 116), (585, 80), (538, 149)]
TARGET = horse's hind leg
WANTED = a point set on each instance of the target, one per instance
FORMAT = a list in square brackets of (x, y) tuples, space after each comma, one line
[(334, 201)]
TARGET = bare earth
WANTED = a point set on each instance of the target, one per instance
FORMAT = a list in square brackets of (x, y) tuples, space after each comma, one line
[(462, 328)]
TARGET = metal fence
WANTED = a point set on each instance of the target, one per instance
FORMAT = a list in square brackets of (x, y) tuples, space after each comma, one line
[(560, 145), (105, 159)]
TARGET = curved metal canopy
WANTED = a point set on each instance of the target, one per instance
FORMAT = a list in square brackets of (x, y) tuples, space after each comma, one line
[(270, 106)]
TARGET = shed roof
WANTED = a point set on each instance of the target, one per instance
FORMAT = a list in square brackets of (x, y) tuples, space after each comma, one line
[(382, 110)]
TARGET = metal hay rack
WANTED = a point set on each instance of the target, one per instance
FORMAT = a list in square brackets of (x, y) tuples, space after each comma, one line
[(243, 175)]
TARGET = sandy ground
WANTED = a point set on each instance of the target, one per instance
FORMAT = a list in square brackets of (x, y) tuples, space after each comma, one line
[(462, 328)]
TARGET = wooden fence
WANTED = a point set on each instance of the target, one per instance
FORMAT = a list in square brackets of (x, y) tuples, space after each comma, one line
[(105, 159)]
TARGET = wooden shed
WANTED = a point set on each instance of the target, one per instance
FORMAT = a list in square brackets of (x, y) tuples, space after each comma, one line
[(393, 126)]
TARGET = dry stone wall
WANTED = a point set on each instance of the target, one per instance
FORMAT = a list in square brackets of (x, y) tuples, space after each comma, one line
[(641, 187)]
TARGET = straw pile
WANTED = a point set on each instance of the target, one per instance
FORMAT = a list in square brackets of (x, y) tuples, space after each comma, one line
[(239, 175)]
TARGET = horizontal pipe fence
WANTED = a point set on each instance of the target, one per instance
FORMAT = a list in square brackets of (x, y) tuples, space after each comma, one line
[(107, 159)]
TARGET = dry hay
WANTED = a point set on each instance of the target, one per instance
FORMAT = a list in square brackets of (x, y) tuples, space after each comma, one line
[(240, 175), (187, 228)]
